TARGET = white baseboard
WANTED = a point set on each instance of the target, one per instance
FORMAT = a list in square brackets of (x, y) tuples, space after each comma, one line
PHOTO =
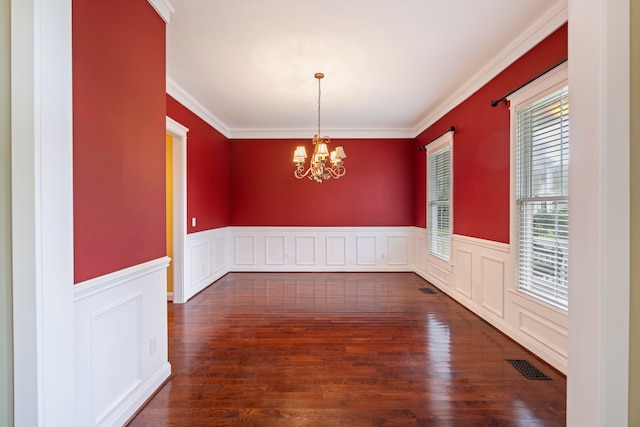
[(130, 406)]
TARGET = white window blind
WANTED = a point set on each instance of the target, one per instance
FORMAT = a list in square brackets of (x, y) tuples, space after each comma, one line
[(439, 191), (542, 195)]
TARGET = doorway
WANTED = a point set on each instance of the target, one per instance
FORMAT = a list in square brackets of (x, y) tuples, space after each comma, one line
[(177, 206)]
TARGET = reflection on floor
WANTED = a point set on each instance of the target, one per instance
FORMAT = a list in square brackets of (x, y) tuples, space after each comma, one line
[(342, 349)]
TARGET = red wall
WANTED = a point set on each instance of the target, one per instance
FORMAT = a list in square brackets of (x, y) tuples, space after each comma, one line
[(376, 191), (207, 170), (118, 135), (481, 148)]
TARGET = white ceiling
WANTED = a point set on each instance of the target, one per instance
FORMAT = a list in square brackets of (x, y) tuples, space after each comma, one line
[(391, 67)]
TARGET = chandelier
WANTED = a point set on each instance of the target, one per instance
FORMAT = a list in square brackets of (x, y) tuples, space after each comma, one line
[(318, 169)]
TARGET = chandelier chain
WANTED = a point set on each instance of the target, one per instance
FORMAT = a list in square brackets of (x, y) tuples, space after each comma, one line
[(319, 134)]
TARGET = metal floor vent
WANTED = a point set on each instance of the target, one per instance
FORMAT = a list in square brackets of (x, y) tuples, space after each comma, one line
[(527, 369), (427, 291)]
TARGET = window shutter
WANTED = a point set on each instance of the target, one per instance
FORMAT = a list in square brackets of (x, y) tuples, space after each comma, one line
[(542, 194), (440, 202)]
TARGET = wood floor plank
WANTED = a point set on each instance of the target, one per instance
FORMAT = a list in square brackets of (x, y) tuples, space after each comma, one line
[(342, 349)]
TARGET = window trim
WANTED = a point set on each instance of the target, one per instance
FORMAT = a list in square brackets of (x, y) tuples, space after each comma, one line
[(541, 87), (443, 141)]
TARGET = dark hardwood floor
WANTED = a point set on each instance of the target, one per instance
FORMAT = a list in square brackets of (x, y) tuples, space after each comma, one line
[(342, 349)]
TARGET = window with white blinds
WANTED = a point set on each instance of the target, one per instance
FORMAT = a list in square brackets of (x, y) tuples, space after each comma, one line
[(542, 196), (439, 201)]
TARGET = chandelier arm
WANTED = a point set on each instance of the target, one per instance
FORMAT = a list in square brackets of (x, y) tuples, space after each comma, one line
[(298, 173), (337, 171)]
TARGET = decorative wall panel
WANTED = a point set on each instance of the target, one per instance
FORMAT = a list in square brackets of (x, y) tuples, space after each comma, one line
[(492, 284), (203, 267), (200, 265), (121, 349), (305, 250), (398, 250), (541, 329), (275, 250), (336, 250), (118, 372), (483, 280), (419, 251), (245, 250), (463, 272), (366, 250)]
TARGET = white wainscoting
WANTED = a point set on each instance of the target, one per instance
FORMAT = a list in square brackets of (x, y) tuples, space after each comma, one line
[(482, 278), (121, 349), (205, 258), (321, 248)]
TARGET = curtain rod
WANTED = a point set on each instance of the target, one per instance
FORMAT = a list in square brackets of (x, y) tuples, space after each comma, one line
[(504, 98), (423, 147)]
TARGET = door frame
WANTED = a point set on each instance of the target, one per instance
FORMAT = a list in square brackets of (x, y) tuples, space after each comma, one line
[(178, 134)]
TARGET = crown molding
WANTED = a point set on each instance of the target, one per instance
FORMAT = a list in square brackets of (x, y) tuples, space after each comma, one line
[(181, 95), (163, 7), (537, 32), (333, 133)]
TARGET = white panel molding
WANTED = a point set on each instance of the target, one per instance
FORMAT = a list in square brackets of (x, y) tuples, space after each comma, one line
[(366, 250), (489, 244), (200, 265), (479, 278), (212, 263), (219, 255), (117, 372), (438, 275), (245, 250), (121, 344), (336, 247), (163, 8), (463, 280), (492, 287), (101, 284), (328, 248), (433, 269), (543, 330), (535, 346), (398, 250), (275, 250), (487, 266), (138, 397), (305, 250), (419, 250)]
